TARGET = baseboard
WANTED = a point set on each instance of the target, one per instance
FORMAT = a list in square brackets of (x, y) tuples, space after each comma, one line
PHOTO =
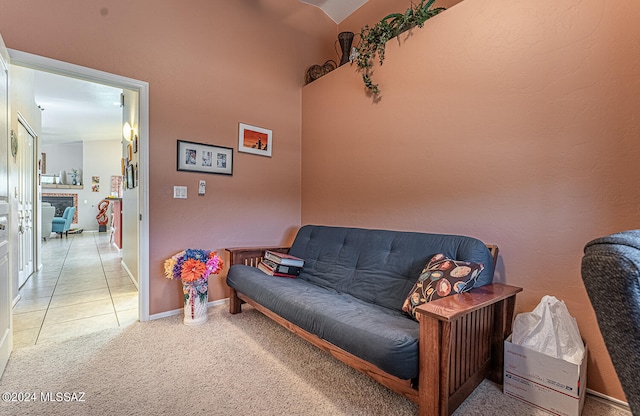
[(609, 400), (16, 300), (113, 244), (126, 269), (179, 311)]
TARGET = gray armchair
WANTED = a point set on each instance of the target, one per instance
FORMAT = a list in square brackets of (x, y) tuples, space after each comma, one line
[(48, 212), (611, 275)]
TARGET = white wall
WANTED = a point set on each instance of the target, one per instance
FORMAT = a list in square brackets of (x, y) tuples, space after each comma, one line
[(102, 159), (62, 158), (96, 158)]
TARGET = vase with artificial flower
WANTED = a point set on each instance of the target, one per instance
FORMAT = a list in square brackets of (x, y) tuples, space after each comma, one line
[(193, 267), (74, 176)]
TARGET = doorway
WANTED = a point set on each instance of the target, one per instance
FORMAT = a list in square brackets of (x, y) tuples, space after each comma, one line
[(141, 88)]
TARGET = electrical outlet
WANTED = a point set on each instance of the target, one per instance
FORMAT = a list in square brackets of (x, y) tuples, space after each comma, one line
[(180, 192), (201, 186)]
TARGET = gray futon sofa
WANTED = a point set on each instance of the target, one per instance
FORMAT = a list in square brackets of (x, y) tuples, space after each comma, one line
[(349, 297)]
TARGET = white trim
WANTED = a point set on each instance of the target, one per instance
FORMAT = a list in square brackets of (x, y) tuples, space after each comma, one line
[(16, 300), (126, 269), (67, 69), (611, 400)]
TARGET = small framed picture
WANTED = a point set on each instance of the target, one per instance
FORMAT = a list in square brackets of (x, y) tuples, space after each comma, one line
[(254, 140), (95, 184), (135, 144), (130, 183), (205, 158), (129, 151)]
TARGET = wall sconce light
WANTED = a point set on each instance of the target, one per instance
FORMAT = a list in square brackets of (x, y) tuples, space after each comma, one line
[(127, 132)]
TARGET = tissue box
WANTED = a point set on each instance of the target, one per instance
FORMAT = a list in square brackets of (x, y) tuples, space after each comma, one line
[(549, 383)]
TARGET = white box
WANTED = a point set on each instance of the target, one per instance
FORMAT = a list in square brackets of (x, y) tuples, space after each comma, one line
[(549, 383)]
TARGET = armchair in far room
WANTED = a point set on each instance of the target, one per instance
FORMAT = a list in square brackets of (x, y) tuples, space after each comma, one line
[(48, 213), (611, 275), (62, 224)]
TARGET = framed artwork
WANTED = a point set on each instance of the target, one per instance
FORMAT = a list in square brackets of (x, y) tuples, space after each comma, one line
[(254, 140), (130, 173), (135, 144), (205, 158), (95, 184), (129, 152)]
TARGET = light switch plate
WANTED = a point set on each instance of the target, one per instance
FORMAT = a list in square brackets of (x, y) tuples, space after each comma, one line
[(180, 192)]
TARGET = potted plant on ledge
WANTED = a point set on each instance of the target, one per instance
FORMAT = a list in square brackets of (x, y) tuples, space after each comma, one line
[(373, 39)]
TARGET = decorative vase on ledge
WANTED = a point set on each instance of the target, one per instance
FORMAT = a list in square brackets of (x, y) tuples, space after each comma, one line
[(345, 39)]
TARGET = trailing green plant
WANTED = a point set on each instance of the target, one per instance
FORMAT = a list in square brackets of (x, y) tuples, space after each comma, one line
[(373, 40)]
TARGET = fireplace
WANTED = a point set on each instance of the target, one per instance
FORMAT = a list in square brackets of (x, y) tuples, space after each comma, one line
[(62, 201)]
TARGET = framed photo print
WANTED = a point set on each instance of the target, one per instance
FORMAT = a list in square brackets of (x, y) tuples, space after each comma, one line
[(205, 158), (254, 140), (130, 183)]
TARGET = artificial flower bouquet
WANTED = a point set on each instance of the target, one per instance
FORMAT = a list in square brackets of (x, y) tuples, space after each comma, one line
[(193, 267)]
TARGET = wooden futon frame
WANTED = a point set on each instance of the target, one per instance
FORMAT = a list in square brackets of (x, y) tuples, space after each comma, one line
[(461, 340)]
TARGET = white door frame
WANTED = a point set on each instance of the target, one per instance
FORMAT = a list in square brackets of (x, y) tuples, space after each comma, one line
[(6, 280), (71, 70)]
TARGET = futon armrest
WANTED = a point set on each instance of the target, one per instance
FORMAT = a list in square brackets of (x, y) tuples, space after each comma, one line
[(462, 334), (250, 256), (455, 306)]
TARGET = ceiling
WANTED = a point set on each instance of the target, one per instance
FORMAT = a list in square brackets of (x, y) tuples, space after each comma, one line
[(74, 110), (337, 10)]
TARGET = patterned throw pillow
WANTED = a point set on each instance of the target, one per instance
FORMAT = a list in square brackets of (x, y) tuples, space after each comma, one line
[(441, 277)]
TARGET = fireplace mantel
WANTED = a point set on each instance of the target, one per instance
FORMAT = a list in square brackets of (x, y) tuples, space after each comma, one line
[(60, 186)]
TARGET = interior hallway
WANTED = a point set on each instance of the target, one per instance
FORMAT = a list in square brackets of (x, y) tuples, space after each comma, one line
[(82, 288)]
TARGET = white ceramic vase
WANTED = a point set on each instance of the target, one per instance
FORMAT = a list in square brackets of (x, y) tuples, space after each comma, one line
[(195, 305)]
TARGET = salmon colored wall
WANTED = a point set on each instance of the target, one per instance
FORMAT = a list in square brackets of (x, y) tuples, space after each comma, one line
[(209, 65), (513, 123)]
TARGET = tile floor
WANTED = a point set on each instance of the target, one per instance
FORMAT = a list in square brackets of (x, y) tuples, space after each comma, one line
[(81, 288)]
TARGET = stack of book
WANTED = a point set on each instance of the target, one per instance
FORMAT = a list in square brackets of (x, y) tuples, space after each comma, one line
[(281, 264)]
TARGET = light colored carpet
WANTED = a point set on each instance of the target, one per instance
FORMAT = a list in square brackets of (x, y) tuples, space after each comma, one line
[(233, 365)]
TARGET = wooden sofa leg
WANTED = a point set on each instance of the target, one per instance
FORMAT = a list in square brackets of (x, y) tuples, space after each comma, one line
[(235, 304), (430, 383)]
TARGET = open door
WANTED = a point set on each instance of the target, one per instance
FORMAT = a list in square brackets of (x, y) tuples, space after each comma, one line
[(26, 197), (5, 280)]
